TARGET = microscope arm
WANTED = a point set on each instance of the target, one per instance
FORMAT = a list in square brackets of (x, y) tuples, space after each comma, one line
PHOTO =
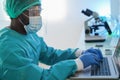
[(87, 28)]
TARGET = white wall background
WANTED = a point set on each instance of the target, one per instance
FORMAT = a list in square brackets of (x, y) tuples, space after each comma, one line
[(115, 8), (4, 19), (64, 21)]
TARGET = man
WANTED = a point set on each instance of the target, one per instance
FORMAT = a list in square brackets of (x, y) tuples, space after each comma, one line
[(22, 50)]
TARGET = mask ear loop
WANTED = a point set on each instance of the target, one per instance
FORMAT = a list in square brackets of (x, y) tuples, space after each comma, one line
[(21, 20), (23, 24), (25, 15)]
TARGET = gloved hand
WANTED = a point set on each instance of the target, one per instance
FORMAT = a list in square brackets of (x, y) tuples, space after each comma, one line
[(89, 59), (95, 51)]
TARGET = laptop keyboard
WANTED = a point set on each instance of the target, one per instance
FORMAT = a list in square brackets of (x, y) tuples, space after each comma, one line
[(103, 70)]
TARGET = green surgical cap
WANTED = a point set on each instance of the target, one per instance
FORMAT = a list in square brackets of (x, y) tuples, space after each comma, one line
[(15, 7)]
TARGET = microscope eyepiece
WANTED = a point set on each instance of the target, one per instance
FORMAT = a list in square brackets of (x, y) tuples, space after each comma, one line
[(87, 12)]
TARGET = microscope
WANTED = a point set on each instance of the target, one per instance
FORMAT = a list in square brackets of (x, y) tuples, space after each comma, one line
[(90, 30)]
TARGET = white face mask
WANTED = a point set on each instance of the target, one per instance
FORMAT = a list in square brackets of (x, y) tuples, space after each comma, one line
[(35, 24)]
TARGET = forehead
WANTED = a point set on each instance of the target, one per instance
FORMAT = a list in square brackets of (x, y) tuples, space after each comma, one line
[(36, 7), (35, 10)]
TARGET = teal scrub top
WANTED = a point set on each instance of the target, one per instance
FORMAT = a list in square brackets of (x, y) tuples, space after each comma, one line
[(20, 55)]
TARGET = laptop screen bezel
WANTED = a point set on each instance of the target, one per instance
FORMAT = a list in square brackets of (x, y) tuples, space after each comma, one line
[(116, 56)]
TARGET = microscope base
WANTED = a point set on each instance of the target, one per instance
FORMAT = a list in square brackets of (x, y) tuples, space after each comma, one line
[(94, 39)]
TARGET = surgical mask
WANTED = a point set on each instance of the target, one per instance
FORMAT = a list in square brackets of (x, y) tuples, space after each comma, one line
[(35, 24)]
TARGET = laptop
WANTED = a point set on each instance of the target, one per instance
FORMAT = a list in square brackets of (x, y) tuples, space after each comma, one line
[(109, 68)]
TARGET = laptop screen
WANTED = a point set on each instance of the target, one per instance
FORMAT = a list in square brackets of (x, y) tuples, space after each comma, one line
[(117, 56)]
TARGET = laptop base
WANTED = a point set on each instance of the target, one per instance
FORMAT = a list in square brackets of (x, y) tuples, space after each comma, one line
[(91, 79)]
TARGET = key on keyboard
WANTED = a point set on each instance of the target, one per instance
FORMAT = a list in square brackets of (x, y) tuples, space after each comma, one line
[(102, 70)]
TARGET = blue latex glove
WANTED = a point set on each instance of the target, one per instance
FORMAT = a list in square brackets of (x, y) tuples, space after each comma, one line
[(89, 59), (95, 51)]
